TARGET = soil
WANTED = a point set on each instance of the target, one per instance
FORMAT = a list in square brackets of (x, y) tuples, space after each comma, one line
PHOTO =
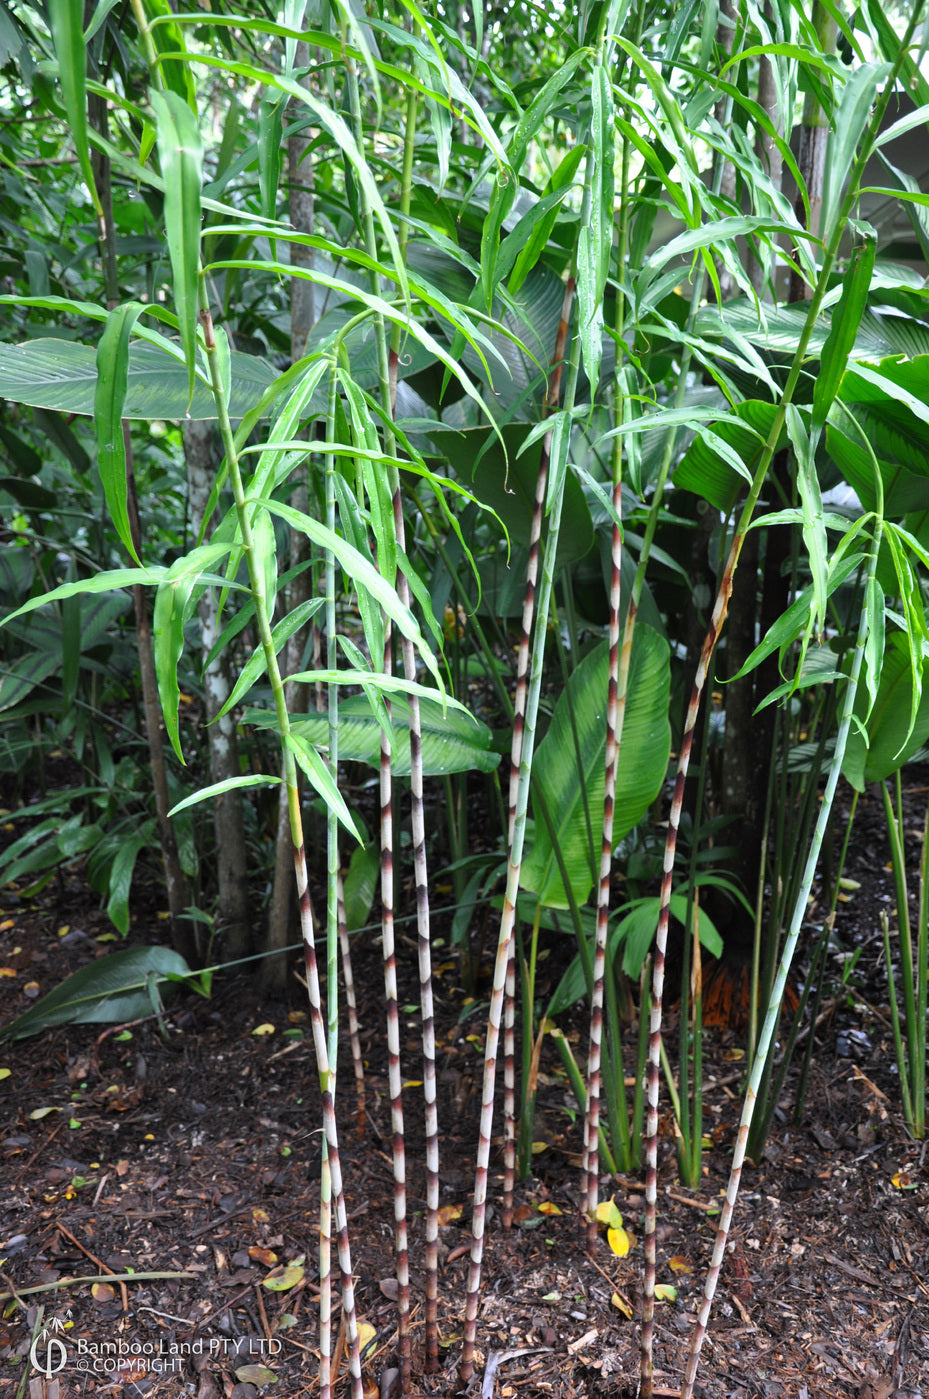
[(153, 1179)]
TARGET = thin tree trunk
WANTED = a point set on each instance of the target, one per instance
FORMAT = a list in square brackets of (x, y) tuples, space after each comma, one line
[(228, 820)]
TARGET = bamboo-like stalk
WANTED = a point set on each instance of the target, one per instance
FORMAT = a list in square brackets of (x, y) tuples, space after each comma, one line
[(317, 1020), (550, 402), (394, 1075), (830, 255), (351, 1001), (780, 983), (514, 865), (591, 1161), (332, 912)]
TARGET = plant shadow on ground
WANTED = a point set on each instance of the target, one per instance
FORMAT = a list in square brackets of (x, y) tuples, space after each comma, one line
[(195, 1151)]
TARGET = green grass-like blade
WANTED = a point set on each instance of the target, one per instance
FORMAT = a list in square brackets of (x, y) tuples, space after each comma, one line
[(180, 153)]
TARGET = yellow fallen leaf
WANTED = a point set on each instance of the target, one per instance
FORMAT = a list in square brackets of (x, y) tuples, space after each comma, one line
[(664, 1292), (449, 1213), (5, 1073), (608, 1214), (102, 1292), (547, 1207), (8, 971), (38, 1113), (903, 1181), (64, 930), (539, 1147), (367, 1339), (265, 1029), (677, 1264), (413, 1083), (621, 1305), (282, 1279), (255, 1374), (618, 1241)]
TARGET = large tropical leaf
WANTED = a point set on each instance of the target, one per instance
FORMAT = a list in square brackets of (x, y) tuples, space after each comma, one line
[(62, 375), (118, 987), (572, 779), (507, 484), (888, 747), (452, 741), (710, 465)]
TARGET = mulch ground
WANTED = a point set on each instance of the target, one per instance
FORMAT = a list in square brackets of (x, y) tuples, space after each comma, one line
[(154, 1179)]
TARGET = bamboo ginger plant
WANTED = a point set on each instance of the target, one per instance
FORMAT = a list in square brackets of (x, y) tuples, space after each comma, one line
[(494, 282)]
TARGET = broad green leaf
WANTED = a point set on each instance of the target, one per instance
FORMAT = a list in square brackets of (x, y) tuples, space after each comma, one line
[(120, 882), (109, 399), (452, 741), (107, 991), (66, 19), (180, 153), (890, 741), (709, 467), (506, 483), (218, 788), (573, 781), (360, 884), (61, 375)]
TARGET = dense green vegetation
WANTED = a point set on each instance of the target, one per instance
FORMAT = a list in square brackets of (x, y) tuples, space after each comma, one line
[(411, 388)]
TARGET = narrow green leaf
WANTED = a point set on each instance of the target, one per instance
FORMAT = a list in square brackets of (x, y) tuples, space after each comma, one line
[(66, 19), (257, 663), (173, 606), (180, 154), (120, 881), (322, 780), (842, 333), (545, 216), (109, 401), (365, 576), (168, 37), (848, 126), (218, 788), (270, 153), (100, 583), (874, 641), (814, 529), (264, 545)]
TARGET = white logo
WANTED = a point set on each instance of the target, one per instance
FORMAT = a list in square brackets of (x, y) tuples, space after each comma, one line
[(56, 1352)]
